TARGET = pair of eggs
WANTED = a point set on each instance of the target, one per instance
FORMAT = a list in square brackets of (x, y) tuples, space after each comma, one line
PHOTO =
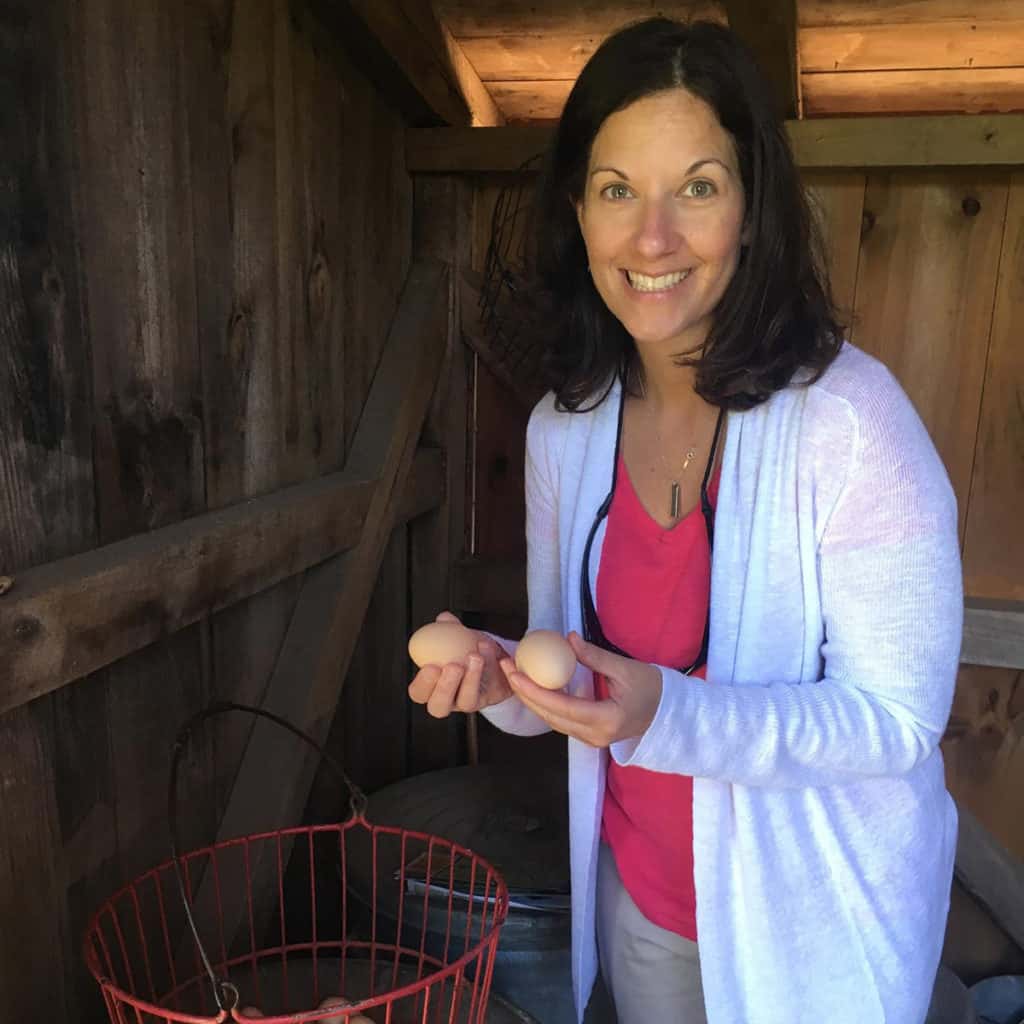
[(543, 655)]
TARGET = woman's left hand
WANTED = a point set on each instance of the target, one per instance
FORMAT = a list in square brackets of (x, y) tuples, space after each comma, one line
[(634, 692)]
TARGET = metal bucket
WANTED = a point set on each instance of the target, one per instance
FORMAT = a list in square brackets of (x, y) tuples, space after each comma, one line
[(517, 818)]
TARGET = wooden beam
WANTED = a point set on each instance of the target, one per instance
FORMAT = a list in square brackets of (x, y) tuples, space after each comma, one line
[(938, 45), (993, 633), (272, 784), (402, 47), (991, 875), (888, 93), (768, 27), (66, 619), (930, 141), (484, 112)]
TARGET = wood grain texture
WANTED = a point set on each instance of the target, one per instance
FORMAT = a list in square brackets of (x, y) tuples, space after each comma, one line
[(951, 91), (135, 221), (994, 541), (530, 101), (527, 57), (993, 633), (934, 44), (442, 227), (68, 618), (473, 18), (273, 779), (837, 198), (925, 295), (904, 12)]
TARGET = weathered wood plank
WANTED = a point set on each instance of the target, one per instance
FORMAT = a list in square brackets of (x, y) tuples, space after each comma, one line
[(442, 227), (927, 141), (528, 57), (925, 296), (137, 251), (994, 540), (993, 633), (472, 18), (769, 31), (66, 619), (950, 91), (904, 12), (892, 47), (838, 199), (536, 100), (273, 779)]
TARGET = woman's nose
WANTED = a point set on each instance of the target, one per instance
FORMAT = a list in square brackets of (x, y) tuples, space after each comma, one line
[(658, 231)]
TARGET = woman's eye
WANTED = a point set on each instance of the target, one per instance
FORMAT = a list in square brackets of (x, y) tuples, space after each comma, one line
[(700, 189), (616, 191)]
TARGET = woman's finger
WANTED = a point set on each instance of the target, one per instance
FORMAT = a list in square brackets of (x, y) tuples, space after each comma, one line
[(446, 617), (468, 697), (443, 698), (595, 658), (586, 720), (423, 683)]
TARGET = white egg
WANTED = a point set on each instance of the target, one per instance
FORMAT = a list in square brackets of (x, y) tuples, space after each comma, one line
[(546, 657), (439, 643)]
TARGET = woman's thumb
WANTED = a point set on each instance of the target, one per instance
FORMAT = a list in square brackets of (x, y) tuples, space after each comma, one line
[(593, 657)]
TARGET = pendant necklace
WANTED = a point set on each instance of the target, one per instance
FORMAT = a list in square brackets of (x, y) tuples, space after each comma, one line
[(675, 490)]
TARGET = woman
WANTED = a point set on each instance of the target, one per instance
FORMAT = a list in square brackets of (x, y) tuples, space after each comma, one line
[(775, 843)]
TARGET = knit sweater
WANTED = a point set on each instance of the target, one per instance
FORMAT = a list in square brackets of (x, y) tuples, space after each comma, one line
[(823, 832)]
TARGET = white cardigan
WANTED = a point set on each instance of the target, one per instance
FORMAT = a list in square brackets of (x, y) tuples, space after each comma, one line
[(823, 832)]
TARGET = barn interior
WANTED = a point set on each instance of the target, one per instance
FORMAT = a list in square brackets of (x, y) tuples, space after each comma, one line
[(263, 400)]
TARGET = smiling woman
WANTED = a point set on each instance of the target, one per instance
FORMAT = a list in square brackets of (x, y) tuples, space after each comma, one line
[(719, 482)]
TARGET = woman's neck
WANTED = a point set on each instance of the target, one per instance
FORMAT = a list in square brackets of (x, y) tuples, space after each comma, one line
[(668, 390)]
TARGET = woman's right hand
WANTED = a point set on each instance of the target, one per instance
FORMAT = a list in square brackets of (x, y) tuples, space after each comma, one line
[(456, 687)]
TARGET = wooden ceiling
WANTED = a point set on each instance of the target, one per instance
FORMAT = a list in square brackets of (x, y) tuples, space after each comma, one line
[(852, 56)]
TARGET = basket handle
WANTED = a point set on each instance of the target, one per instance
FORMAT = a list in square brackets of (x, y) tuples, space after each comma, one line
[(224, 992)]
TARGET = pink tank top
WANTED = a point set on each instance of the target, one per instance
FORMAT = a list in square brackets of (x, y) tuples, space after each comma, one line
[(653, 588)]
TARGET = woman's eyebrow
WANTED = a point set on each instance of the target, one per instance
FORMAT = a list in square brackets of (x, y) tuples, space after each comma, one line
[(604, 169)]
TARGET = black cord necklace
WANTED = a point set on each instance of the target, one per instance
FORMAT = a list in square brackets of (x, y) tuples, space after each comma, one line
[(592, 631)]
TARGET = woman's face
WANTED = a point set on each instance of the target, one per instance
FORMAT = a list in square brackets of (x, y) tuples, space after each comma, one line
[(662, 218)]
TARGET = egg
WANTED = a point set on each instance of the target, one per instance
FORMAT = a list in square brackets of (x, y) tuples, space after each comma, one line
[(439, 643), (546, 657)]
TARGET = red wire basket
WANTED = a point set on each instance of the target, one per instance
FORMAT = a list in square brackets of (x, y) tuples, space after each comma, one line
[(403, 926)]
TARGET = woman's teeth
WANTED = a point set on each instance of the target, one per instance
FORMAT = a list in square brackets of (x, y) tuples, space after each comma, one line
[(644, 283)]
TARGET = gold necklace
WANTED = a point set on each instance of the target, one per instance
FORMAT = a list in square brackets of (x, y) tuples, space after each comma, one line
[(674, 492), (691, 454)]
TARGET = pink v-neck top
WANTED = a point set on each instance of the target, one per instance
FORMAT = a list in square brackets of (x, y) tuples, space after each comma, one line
[(653, 588)]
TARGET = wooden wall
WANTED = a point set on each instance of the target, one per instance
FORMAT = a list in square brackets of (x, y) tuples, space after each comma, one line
[(929, 268), (205, 223)]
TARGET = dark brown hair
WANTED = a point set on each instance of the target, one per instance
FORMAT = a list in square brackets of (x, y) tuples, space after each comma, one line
[(776, 315)]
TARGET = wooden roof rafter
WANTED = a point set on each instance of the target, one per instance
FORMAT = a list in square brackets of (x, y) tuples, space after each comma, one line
[(769, 29), (411, 56)]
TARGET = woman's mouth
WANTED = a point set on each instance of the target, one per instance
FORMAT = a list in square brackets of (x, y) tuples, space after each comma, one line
[(662, 283)]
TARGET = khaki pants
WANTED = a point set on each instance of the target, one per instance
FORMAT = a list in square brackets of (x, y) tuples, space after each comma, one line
[(653, 975)]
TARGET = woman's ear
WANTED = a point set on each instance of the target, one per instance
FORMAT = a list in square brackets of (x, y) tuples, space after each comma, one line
[(577, 205)]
